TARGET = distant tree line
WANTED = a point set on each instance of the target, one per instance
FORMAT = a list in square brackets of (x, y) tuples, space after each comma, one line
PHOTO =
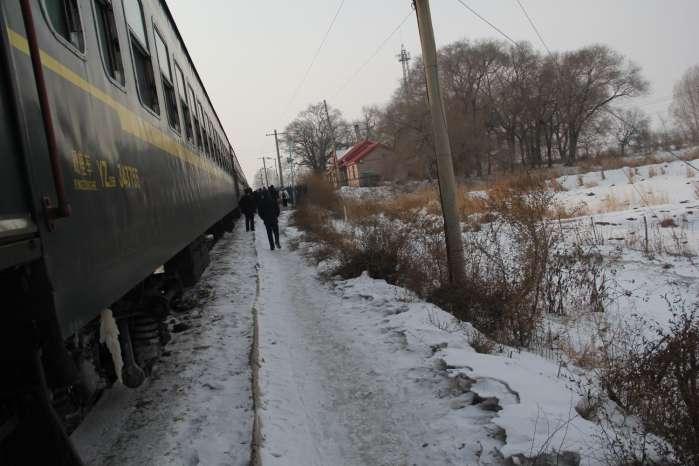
[(509, 107)]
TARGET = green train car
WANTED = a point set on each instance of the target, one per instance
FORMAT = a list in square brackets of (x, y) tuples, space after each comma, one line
[(115, 172)]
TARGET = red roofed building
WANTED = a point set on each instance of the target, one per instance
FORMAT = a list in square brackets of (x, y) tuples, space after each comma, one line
[(366, 164)]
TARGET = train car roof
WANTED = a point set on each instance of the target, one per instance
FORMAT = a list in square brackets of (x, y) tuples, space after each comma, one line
[(167, 11)]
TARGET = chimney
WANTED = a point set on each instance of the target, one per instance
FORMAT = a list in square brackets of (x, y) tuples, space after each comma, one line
[(356, 133)]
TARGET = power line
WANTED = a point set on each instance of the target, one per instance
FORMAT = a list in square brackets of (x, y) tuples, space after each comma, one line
[(536, 30), (488, 23), (315, 57), (373, 55)]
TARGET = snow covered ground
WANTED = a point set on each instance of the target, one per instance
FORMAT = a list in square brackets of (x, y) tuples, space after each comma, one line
[(618, 206), (196, 407), (360, 372), (344, 384)]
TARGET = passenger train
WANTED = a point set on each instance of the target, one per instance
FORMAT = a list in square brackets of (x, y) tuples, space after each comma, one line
[(115, 173)]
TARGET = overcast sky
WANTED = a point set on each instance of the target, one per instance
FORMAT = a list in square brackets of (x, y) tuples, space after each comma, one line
[(252, 55)]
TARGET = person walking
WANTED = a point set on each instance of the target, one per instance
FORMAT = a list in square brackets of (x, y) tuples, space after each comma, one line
[(268, 209), (248, 205), (274, 192), (285, 199)]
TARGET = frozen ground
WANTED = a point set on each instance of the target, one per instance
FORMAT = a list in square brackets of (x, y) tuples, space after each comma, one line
[(342, 382), (196, 406)]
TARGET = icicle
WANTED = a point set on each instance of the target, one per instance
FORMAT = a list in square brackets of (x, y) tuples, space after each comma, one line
[(109, 335)]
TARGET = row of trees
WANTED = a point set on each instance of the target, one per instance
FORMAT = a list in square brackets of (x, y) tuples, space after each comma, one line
[(507, 106), (511, 106)]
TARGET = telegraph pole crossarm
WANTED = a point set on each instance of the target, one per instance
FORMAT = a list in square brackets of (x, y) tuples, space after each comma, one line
[(445, 165)]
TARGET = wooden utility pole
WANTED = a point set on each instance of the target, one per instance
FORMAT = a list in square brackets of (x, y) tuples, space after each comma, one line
[(332, 133), (445, 165), (279, 159), (264, 165)]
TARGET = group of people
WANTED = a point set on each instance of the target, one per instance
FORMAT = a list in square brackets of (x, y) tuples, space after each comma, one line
[(264, 202)]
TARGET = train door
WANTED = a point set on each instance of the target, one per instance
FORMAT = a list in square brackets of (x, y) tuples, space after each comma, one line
[(16, 224)]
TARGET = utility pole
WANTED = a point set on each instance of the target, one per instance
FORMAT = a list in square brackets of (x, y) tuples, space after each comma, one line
[(279, 159), (445, 165), (264, 165), (332, 133), (404, 59)]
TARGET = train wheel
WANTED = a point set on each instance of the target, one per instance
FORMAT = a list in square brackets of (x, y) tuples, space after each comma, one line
[(30, 430), (33, 432)]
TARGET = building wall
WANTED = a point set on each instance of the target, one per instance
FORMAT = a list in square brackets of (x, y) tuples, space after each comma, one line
[(377, 166)]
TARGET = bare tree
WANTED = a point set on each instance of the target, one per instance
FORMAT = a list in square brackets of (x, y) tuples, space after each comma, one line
[(591, 79), (310, 138), (629, 126), (510, 106), (685, 103)]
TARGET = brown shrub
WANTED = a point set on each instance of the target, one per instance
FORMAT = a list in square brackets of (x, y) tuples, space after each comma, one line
[(377, 249), (320, 194), (502, 295), (668, 222), (656, 379)]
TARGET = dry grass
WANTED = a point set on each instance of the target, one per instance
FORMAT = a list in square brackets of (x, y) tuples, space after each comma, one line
[(690, 155), (591, 184), (559, 211), (612, 203), (630, 175), (587, 357), (556, 186), (691, 173), (615, 163), (651, 197), (652, 171)]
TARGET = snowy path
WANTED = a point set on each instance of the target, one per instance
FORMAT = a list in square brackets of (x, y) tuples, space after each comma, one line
[(196, 406), (341, 387)]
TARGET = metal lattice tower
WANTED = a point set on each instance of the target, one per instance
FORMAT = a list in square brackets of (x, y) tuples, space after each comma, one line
[(404, 59)]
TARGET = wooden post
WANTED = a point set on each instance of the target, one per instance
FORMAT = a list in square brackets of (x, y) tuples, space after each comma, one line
[(645, 227), (445, 165)]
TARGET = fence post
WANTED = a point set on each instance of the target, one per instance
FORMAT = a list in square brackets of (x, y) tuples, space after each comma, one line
[(645, 227)]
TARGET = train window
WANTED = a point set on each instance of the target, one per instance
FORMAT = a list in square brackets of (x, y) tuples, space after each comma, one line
[(134, 17), (109, 40), (145, 78), (168, 87), (184, 103), (205, 134), (198, 126), (203, 143), (190, 98), (64, 17)]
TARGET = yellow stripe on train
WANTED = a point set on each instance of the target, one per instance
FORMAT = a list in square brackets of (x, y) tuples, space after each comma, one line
[(131, 123)]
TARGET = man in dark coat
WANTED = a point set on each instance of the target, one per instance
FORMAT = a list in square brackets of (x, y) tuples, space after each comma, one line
[(273, 192), (268, 210), (248, 205)]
